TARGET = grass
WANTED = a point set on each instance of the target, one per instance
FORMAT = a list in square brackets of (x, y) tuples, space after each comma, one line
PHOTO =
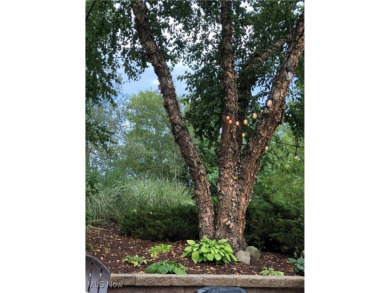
[(108, 202)]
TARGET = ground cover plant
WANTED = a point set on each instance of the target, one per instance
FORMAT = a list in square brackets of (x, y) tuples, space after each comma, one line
[(166, 267), (154, 251), (270, 272), (299, 264), (210, 250), (134, 260)]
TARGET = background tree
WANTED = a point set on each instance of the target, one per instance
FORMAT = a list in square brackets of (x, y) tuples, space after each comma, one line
[(232, 51), (149, 149), (101, 68), (140, 142)]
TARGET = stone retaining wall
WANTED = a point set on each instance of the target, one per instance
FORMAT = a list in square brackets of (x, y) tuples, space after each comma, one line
[(156, 283)]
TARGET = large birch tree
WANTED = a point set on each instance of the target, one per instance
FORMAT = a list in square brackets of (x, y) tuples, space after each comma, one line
[(232, 51)]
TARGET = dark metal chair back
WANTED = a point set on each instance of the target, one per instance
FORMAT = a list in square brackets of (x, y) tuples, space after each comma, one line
[(97, 275)]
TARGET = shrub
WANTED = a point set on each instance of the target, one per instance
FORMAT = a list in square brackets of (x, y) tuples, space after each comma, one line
[(166, 267), (299, 264), (210, 250), (270, 272), (109, 201), (270, 225), (135, 260), (168, 224), (154, 251), (275, 226)]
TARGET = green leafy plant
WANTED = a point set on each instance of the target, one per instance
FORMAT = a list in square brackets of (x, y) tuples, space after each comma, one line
[(299, 264), (166, 267), (134, 260), (270, 272), (154, 251), (210, 250)]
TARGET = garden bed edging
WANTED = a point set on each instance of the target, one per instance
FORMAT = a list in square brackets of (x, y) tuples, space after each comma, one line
[(153, 283)]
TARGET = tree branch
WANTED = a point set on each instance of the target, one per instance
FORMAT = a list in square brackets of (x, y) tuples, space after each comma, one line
[(273, 116), (178, 127), (263, 56), (247, 78), (270, 119)]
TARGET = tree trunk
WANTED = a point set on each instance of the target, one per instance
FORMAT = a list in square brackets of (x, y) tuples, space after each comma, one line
[(179, 130), (228, 202)]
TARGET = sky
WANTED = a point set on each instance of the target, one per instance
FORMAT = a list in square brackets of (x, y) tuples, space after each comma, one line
[(149, 81)]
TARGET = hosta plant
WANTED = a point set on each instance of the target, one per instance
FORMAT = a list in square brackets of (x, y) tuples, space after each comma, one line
[(299, 264), (210, 250), (134, 260), (166, 267), (154, 251), (270, 272)]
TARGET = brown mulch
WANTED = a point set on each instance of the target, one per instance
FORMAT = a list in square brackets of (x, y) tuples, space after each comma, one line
[(106, 243)]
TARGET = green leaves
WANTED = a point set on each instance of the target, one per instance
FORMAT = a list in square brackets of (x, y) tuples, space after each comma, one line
[(150, 150), (292, 260), (166, 267), (151, 269), (135, 260), (210, 256), (270, 272), (228, 248), (154, 251), (195, 256), (299, 264), (179, 271), (268, 21), (209, 250)]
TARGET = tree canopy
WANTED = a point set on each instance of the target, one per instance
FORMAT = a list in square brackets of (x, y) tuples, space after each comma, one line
[(190, 32)]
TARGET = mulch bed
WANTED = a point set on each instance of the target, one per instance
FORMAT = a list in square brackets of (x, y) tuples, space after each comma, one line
[(107, 244)]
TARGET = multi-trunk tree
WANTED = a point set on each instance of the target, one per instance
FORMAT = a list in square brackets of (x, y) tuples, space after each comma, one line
[(232, 49)]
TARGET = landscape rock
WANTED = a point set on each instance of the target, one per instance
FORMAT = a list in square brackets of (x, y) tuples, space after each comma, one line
[(243, 257), (254, 252)]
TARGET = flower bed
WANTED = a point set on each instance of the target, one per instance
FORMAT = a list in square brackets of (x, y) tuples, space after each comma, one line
[(110, 247)]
